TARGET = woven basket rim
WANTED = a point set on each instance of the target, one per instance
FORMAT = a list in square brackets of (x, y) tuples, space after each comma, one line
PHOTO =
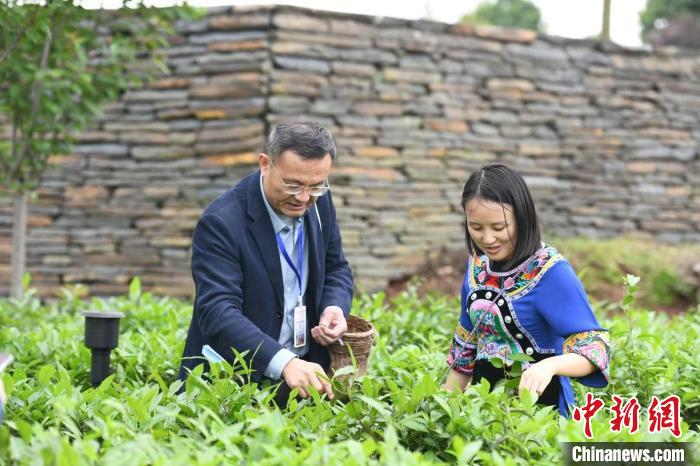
[(359, 335)]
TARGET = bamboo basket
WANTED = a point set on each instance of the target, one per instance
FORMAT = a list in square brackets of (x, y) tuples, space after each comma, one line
[(360, 337)]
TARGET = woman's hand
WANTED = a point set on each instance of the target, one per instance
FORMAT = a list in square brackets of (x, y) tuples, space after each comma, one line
[(456, 381), (536, 377)]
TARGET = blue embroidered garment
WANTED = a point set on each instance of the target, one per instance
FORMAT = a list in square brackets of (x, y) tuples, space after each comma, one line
[(539, 308)]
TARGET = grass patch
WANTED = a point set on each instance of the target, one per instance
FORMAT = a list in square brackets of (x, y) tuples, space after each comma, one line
[(602, 264)]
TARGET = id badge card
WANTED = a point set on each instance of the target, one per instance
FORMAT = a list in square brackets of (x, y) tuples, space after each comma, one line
[(299, 326)]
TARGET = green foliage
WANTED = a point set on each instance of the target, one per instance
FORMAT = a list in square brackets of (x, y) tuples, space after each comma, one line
[(521, 14), (397, 414), (603, 264), (58, 63), (666, 10)]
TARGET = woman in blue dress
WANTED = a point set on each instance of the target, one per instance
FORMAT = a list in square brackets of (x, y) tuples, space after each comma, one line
[(520, 296)]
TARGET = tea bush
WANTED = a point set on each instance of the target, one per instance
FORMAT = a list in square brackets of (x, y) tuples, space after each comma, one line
[(397, 414), (667, 269)]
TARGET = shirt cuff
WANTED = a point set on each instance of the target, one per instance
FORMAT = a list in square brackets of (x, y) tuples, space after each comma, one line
[(277, 363), (593, 345)]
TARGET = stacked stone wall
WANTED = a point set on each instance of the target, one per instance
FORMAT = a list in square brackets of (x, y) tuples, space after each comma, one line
[(606, 137)]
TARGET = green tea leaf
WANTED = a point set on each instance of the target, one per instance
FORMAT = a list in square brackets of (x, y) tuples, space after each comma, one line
[(521, 357), (135, 289)]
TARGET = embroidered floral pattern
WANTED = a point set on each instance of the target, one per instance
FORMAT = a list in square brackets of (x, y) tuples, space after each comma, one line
[(493, 338), (593, 345), (463, 351), (518, 281), (494, 341)]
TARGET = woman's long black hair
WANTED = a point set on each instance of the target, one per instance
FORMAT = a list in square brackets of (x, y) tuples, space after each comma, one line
[(501, 184)]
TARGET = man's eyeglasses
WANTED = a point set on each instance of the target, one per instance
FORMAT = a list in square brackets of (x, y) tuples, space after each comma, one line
[(295, 189)]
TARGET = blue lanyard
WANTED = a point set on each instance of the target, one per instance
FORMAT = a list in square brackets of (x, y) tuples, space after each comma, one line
[(299, 272)]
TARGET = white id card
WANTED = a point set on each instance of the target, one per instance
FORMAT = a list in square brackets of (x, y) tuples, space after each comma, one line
[(299, 326)]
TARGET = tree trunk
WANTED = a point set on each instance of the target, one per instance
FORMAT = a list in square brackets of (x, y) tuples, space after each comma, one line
[(19, 243), (605, 32)]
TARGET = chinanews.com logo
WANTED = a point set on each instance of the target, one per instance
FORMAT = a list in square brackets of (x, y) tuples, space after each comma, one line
[(628, 453), (662, 415)]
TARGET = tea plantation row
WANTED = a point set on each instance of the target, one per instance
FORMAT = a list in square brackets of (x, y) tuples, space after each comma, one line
[(395, 415)]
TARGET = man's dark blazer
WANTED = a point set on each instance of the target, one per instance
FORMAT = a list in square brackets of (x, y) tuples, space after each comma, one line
[(236, 267)]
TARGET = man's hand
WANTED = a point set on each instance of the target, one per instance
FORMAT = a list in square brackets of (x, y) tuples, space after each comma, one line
[(331, 327), (302, 374)]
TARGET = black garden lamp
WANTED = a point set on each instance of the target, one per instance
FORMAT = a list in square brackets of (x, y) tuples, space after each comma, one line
[(101, 336)]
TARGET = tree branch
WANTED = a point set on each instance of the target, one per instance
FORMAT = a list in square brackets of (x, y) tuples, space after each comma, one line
[(20, 34), (35, 95), (13, 149), (6, 166)]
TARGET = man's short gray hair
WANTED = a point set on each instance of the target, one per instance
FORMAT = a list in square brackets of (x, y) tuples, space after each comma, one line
[(308, 139)]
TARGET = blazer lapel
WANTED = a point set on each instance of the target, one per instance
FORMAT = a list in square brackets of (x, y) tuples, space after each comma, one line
[(264, 236), (315, 254)]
